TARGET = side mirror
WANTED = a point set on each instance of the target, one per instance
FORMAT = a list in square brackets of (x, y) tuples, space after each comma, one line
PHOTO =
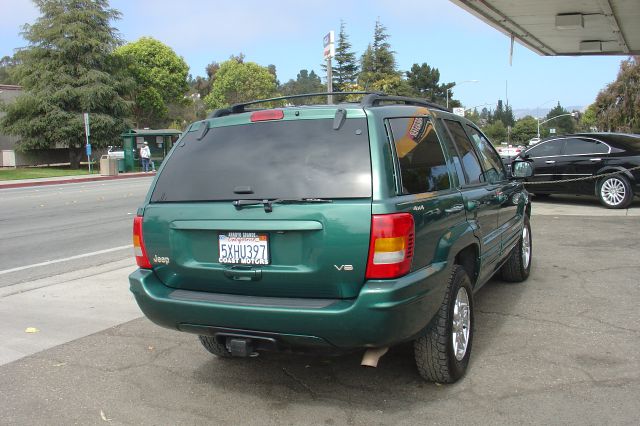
[(521, 169)]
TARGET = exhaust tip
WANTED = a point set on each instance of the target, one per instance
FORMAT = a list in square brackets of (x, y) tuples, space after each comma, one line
[(372, 356)]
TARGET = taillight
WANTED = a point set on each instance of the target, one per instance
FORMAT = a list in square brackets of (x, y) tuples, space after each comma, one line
[(138, 244), (267, 115), (391, 246)]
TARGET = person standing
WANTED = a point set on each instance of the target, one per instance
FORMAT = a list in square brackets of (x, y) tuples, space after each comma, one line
[(145, 155)]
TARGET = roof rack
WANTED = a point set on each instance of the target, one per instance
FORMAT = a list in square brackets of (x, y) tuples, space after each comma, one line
[(240, 108), (371, 99), (376, 99)]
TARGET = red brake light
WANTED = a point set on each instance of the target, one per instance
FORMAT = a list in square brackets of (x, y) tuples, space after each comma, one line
[(268, 114), (391, 246), (138, 244)]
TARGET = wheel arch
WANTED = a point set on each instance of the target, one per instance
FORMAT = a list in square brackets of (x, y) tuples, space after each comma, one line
[(610, 169), (467, 258)]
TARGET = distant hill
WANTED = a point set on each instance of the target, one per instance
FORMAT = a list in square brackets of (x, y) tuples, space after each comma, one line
[(542, 112)]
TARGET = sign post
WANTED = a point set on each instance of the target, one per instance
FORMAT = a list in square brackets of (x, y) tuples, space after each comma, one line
[(329, 52), (87, 138)]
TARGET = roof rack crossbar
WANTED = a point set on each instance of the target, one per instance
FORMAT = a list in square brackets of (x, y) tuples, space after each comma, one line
[(377, 98)]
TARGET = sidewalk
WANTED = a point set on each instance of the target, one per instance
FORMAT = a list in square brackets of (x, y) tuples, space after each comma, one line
[(63, 308), (21, 183)]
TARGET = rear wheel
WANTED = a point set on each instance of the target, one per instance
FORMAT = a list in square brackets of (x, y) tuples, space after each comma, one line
[(614, 192), (211, 344), (442, 354), (518, 266)]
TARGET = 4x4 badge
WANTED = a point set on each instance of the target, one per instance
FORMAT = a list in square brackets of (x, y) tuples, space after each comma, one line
[(344, 267)]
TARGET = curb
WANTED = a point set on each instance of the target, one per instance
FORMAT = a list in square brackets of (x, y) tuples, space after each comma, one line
[(75, 180)]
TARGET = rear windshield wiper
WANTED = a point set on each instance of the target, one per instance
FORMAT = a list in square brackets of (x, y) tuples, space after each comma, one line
[(268, 204)]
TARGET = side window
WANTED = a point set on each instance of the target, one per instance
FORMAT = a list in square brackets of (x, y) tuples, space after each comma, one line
[(577, 146), (493, 167), (423, 167), (547, 149), (470, 161)]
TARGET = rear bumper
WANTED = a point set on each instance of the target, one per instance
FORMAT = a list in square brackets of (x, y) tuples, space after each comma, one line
[(384, 313)]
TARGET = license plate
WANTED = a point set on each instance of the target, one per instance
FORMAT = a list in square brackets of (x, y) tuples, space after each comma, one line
[(244, 248)]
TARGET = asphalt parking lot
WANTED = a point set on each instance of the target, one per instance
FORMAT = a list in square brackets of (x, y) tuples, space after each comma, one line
[(561, 348)]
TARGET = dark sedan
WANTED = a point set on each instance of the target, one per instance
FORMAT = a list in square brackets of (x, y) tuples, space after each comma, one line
[(585, 155)]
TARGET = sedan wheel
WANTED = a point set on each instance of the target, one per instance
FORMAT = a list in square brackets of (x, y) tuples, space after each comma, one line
[(614, 192)]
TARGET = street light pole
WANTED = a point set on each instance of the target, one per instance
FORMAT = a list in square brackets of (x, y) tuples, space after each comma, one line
[(572, 114)]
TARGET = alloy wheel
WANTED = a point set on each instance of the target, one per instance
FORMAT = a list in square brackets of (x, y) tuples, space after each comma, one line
[(613, 191), (461, 324), (526, 247)]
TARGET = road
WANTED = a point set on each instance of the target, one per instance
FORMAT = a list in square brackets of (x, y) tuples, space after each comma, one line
[(88, 222)]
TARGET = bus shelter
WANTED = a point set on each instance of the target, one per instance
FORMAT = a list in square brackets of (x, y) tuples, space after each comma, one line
[(160, 143)]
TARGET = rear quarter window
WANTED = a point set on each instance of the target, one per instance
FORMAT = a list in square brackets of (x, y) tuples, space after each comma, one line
[(423, 167)]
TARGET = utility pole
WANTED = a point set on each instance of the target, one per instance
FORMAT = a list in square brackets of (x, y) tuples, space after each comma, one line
[(329, 52), (329, 80), (87, 134)]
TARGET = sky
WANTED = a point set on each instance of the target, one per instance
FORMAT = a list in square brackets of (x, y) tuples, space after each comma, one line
[(289, 33)]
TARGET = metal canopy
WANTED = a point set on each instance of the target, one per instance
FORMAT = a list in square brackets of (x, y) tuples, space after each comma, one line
[(568, 27)]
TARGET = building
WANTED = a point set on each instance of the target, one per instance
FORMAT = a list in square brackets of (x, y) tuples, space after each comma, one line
[(10, 154)]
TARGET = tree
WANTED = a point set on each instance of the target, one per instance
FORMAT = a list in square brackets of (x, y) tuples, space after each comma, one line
[(496, 131), (563, 125), (67, 69), (378, 61), (617, 106), (504, 114), (525, 129), (160, 80), (7, 65), (202, 85), (589, 119), (392, 85), (345, 71), (240, 82), (305, 82), (425, 82), (474, 116)]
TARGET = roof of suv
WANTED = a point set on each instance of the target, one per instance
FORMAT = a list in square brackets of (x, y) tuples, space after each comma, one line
[(370, 99)]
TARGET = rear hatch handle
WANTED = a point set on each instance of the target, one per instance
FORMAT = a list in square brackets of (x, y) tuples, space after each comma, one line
[(268, 204), (243, 273)]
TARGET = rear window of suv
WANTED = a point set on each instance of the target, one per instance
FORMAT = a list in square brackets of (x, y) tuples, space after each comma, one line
[(275, 159)]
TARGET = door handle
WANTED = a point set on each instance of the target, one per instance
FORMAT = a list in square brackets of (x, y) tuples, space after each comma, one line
[(595, 159), (454, 209), (550, 162)]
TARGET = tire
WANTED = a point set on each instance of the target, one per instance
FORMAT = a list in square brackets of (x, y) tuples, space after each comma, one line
[(518, 265), (437, 357), (614, 192), (211, 344)]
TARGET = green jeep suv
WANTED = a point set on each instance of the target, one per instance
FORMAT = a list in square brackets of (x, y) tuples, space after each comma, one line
[(331, 228)]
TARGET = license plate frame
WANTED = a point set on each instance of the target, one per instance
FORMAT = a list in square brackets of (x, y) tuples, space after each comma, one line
[(244, 248)]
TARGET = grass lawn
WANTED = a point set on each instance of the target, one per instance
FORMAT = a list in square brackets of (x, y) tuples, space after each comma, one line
[(41, 172)]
